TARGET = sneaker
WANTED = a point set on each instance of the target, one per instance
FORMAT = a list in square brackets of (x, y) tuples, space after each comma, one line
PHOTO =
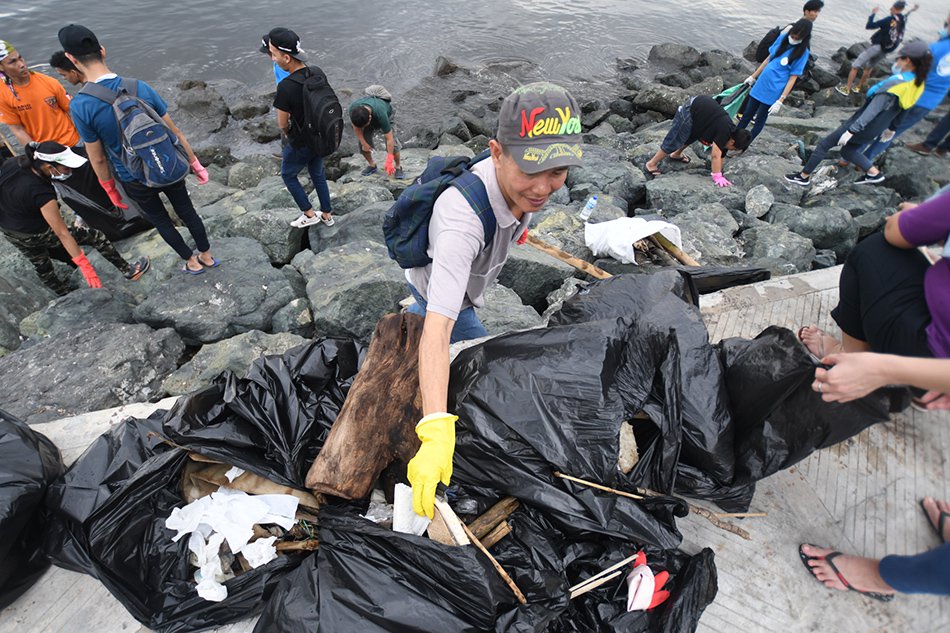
[(369, 171), (138, 268), (400, 174), (940, 152), (305, 220), (328, 221), (841, 91), (856, 90), (868, 179), (797, 179)]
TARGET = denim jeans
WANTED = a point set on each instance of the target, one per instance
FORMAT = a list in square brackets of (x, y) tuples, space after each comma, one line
[(467, 326), (296, 159), (754, 109), (940, 132), (904, 123), (850, 152)]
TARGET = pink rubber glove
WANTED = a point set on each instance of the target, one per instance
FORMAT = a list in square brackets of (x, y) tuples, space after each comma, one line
[(109, 187), (88, 272), (390, 164), (720, 180), (523, 238), (200, 172)]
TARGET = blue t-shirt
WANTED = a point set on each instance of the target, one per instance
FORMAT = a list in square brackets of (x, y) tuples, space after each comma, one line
[(95, 121), (938, 79), (768, 88), (279, 73)]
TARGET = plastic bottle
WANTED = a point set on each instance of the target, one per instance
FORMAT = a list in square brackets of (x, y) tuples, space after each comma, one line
[(589, 208)]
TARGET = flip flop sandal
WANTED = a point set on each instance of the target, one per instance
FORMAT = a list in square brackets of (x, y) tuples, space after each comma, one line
[(189, 271), (883, 597), (686, 160), (941, 520), (215, 263), (653, 173)]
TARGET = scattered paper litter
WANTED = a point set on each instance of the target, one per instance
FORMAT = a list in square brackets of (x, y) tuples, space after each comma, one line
[(405, 520)]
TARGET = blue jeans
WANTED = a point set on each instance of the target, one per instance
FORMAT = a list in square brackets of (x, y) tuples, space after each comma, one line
[(904, 122), (467, 326), (296, 159), (754, 109), (922, 573), (940, 132), (850, 152)]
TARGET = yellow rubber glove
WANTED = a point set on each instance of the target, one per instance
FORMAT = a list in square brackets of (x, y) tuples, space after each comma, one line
[(433, 461)]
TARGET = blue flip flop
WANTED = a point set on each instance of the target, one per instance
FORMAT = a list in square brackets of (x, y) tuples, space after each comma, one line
[(214, 265), (189, 271)]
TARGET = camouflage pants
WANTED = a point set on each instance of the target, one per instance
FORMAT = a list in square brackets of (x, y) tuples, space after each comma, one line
[(40, 248)]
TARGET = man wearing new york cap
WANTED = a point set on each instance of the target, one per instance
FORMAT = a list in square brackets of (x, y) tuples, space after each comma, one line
[(538, 139)]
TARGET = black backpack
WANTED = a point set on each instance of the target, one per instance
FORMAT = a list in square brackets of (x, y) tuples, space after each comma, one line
[(322, 126), (762, 50)]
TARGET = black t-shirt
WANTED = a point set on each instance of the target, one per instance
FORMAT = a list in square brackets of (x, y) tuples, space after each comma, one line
[(21, 198), (711, 123), (289, 98)]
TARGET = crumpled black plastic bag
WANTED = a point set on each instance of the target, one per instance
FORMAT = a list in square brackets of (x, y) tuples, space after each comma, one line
[(667, 300), (111, 505), (779, 419), (366, 579), (29, 462), (535, 402)]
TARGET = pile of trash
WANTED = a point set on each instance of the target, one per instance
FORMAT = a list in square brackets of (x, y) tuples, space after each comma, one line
[(573, 438)]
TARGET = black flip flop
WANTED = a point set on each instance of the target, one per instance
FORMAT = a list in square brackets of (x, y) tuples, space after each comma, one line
[(686, 160), (941, 520), (883, 597)]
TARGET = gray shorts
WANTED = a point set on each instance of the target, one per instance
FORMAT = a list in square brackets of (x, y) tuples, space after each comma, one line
[(680, 129), (870, 57)]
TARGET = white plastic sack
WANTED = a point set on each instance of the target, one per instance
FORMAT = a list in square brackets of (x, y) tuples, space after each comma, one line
[(615, 238)]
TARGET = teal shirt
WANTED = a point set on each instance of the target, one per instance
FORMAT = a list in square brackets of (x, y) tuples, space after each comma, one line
[(382, 111)]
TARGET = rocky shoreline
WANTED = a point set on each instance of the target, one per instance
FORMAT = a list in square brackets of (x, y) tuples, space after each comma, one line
[(278, 286)]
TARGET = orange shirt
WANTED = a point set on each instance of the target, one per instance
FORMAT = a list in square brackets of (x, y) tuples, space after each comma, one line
[(41, 107)]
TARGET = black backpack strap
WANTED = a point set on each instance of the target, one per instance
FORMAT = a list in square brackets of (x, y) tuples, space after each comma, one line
[(131, 86)]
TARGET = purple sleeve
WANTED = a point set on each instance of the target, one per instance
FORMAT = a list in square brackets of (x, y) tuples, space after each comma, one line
[(928, 223)]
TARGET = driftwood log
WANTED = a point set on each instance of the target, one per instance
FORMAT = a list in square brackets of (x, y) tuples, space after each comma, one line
[(376, 425)]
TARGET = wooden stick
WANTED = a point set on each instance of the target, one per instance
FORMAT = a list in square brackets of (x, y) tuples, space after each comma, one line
[(606, 571), (557, 253), (452, 523), (501, 570), (703, 512), (501, 530), (297, 546), (742, 515), (594, 585), (668, 246), (7, 143), (493, 516)]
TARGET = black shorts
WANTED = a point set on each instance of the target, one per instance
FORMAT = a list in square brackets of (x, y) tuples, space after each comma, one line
[(881, 298)]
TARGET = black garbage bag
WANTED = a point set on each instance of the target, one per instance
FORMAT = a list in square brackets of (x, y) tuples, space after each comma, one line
[(779, 419), (552, 400), (667, 300), (110, 507), (29, 462), (707, 279), (366, 579)]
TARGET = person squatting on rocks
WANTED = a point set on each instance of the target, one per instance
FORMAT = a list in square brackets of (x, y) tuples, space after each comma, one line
[(374, 113), (701, 119), (776, 76), (30, 218), (284, 46), (99, 130), (905, 312), (34, 106), (887, 37), (936, 86), (66, 69), (886, 100), (538, 138)]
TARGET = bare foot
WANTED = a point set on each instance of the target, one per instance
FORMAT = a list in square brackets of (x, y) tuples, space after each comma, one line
[(934, 508), (861, 574), (819, 342), (206, 259)]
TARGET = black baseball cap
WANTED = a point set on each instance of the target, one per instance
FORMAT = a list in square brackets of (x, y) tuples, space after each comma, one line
[(78, 40), (287, 41)]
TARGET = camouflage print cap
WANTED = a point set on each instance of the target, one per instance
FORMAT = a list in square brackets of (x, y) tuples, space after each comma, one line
[(539, 125)]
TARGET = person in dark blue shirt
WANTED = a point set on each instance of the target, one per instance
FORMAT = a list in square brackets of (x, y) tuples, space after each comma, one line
[(889, 31)]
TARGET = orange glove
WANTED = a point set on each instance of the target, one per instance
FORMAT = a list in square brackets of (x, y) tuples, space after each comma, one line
[(390, 164), (113, 193), (88, 272), (523, 238)]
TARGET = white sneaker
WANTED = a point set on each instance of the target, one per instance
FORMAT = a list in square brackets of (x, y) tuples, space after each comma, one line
[(305, 220)]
